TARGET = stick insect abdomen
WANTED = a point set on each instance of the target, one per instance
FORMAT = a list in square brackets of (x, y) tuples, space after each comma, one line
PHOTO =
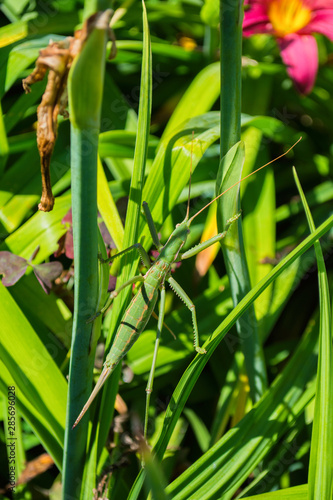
[(132, 324), (137, 314)]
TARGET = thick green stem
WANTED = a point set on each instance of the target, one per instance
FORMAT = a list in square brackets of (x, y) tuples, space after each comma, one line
[(85, 97), (84, 210), (231, 18)]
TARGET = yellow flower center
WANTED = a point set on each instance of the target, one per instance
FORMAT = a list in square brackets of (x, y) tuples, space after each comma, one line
[(288, 16)]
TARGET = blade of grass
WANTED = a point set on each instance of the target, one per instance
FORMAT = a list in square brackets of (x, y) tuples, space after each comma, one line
[(43, 229), (171, 168), (20, 58), (40, 387), (155, 478), (258, 203), (294, 493), (3, 143), (196, 100), (129, 262), (89, 474), (192, 373), (225, 467), (59, 23), (107, 208), (230, 171), (321, 454), (199, 429)]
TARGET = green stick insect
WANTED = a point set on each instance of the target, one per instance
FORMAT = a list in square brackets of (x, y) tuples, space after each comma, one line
[(143, 303)]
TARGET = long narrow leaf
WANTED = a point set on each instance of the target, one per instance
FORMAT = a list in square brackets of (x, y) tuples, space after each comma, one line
[(129, 262), (321, 455), (295, 493), (39, 384), (192, 373), (230, 171)]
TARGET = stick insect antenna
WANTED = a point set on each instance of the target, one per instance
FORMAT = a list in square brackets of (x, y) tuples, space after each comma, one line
[(243, 179), (189, 184)]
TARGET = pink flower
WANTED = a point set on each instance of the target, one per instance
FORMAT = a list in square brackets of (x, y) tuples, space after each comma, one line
[(293, 23)]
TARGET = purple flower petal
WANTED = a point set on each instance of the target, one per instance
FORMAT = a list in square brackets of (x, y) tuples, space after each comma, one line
[(46, 273), (12, 267), (300, 54)]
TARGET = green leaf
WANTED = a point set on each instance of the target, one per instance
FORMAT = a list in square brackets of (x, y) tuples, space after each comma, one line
[(225, 466), (210, 13), (321, 454), (43, 229), (154, 476), (200, 430), (192, 373), (129, 262), (294, 493), (21, 57), (229, 173), (3, 143), (107, 208), (258, 204), (195, 100), (39, 384)]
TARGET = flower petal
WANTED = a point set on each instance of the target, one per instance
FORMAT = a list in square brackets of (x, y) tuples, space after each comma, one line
[(300, 54), (256, 19), (12, 267), (319, 4), (321, 22)]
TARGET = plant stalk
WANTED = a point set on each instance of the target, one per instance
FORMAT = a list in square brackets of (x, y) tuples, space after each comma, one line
[(231, 19), (85, 97)]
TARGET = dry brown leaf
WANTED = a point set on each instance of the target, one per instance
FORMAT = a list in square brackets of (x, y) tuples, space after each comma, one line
[(56, 59)]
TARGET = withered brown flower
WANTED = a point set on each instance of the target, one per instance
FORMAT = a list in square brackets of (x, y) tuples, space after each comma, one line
[(56, 59)]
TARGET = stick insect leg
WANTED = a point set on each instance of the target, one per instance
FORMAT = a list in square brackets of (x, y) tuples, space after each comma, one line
[(151, 225), (202, 246), (187, 301), (149, 387), (114, 294), (143, 254)]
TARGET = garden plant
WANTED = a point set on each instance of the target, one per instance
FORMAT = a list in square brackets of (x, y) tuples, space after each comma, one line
[(120, 122)]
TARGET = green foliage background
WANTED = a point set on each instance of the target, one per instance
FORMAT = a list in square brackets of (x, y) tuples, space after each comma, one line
[(213, 441)]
